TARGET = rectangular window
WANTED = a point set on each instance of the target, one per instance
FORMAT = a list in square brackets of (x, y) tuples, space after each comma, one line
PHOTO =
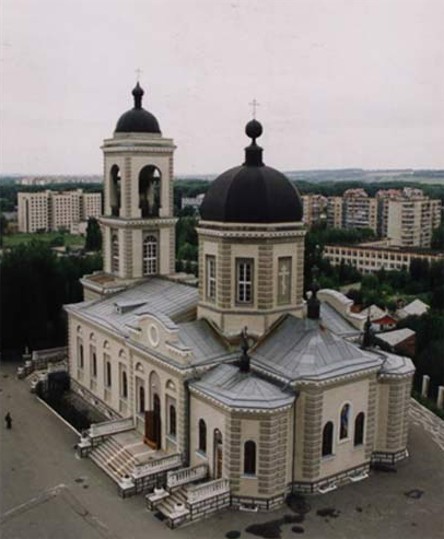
[(244, 280), (211, 277), (284, 280)]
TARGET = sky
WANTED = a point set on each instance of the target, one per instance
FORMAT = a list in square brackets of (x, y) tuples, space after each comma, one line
[(340, 83)]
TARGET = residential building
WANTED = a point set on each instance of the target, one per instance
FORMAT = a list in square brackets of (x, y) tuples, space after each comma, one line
[(315, 209), (334, 212), (359, 210), (56, 210)]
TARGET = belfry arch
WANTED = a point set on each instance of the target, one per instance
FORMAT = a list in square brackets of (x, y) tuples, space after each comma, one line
[(149, 191)]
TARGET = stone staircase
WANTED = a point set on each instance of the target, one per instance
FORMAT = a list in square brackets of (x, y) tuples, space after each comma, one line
[(113, 459)]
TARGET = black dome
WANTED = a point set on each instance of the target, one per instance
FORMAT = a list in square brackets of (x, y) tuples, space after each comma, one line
[(137, 120), (252, 192)]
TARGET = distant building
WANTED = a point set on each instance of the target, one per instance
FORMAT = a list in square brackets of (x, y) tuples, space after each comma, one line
[(408, 217), (359, 210), (193, 202), (415, 308), (372, 256), (53, 210), (315, 208), (334, 212)]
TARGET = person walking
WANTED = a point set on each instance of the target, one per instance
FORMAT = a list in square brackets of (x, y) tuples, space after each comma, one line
[(8, 420)]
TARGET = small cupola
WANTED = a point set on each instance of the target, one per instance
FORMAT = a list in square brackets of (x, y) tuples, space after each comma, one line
[(137, 119)]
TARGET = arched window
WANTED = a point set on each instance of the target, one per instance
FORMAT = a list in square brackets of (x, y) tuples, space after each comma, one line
[(141, 400), (108, 374), (250, 458), (172, 420), (327, 439), (202, 436), (343, 426), (94, 364), (124, 385), (150, 255), (115, 253), (115, 190), (359, 429), (149, 191), (81, 355)]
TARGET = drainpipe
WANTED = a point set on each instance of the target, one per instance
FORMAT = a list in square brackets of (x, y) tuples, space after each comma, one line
[(187, 421), (293, 457)]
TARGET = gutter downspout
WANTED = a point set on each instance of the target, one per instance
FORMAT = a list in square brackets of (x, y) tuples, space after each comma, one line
[(293, 457)]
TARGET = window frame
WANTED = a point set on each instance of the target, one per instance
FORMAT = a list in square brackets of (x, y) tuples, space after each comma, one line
[(244, 283), (210, 282), (150, 253), (250, 458)]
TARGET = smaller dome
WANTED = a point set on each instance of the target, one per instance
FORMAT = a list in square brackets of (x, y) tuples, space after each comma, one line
[(137, 120)]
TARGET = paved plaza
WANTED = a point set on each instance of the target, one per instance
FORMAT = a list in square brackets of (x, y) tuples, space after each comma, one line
[(46, 492)]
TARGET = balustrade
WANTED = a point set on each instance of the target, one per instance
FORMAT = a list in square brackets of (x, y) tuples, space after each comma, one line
[(207, 490), (110, 427), (186, 475), (157, 465)]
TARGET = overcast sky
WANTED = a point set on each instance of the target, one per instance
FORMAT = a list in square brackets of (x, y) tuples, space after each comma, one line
[(341, 83)]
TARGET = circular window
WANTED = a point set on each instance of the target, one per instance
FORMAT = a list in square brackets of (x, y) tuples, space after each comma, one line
[(153, 335)]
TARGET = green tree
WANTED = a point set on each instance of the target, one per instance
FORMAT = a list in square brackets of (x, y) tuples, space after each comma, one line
[(93, 235)]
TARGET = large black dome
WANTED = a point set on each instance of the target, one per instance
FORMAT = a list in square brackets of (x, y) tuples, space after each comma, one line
[(252, 192), (137, 120)]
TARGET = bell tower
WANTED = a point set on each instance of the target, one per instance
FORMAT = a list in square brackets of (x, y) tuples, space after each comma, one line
[(138, 222)]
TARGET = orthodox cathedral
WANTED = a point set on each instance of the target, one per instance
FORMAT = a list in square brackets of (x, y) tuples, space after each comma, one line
[(236, 392)]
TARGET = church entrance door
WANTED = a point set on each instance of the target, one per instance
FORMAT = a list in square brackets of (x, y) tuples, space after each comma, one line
[(153, 425)]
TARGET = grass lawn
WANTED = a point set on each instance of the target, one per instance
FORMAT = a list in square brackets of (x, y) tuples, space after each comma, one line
[(47, 237)]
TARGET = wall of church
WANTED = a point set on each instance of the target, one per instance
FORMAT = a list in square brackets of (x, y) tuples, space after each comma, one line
[(154, 379), (346, 453), (214, 418), (97, 362), (393, 397)]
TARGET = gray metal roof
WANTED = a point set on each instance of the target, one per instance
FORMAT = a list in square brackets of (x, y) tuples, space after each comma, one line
[(203, 342), (227, 385), (165, 299), (337, 323), (397, 365), (305, 349)]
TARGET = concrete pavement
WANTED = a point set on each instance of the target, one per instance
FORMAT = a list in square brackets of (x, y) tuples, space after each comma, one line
[(46, 492)]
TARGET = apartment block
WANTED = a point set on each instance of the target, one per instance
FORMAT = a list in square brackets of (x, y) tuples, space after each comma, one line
[(408, 217), (334, 212), (359, 210), (54, 210), (315, 208)]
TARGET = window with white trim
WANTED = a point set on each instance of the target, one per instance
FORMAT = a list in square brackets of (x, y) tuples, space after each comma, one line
[(244, 280), (211, 277), (150, 255)]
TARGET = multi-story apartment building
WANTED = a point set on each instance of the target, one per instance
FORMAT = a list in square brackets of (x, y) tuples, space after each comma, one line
[(315, 208), (334, 212), (53, 210), (371, 257), (408, 217), (33, 211), (359, 210)]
